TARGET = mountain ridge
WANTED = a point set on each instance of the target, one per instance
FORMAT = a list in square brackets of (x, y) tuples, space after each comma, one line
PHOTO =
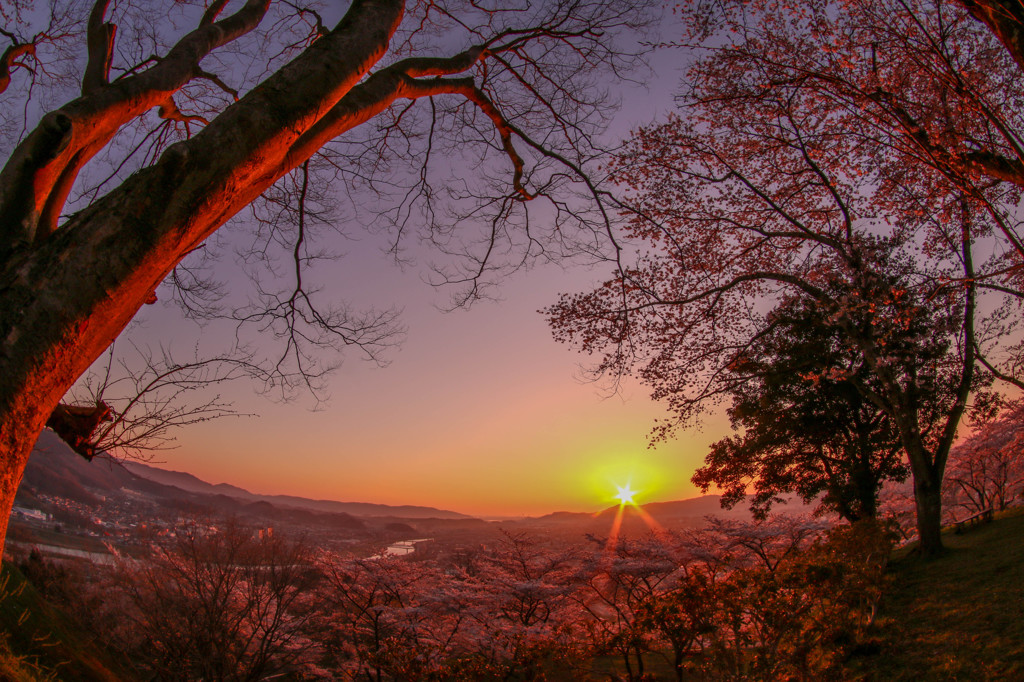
[(192, 483)]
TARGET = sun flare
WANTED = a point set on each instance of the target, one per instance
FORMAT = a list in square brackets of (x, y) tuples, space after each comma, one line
[(625, 494)]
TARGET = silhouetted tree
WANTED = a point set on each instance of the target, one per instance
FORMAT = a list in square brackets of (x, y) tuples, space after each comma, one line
[(807, 426), (520, 592), (986, 471), (615, 585), (219, 604), (926, 87), (780, 597), (389, 618), (775, 599)]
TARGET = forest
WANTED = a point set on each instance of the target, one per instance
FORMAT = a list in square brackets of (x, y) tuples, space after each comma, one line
[(787, 596), (783, 600)]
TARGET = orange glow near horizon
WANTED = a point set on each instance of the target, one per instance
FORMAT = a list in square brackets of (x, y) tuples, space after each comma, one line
[(528, 441), (649, 520), (539, 447)]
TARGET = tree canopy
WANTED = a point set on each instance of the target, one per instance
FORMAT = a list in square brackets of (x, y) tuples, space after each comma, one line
[(807, 426)]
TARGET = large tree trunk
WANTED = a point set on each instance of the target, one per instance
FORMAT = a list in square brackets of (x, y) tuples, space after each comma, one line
[(19, 430), (927, 470), (928, 503)]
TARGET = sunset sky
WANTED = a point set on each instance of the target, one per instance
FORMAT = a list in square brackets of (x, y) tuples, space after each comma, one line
[(480, 411)]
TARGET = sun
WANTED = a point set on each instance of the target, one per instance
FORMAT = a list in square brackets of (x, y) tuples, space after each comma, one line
[(625, 494)]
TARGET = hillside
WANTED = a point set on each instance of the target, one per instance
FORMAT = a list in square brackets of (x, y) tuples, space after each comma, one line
[(637, 521), (191, 483), (959, 617), (55, 472), (54, 469), (40, 642)]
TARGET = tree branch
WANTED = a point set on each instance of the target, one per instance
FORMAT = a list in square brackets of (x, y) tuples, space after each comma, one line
[(34, 183), (100, 43), (10, 59)]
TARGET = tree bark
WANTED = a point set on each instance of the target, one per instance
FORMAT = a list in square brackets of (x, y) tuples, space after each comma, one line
[(928, 503), (36, 179), (19, 429), (1005, 18)]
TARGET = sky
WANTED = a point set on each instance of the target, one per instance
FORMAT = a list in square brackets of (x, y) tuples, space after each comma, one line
[(479, 411)]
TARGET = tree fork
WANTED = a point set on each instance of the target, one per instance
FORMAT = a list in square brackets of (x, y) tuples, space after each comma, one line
[(41, 173)]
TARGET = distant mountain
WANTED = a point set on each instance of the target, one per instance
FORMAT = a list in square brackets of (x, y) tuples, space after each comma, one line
[(55, 470), (636, 520), (363, 509), (708, 505), (185, 481)]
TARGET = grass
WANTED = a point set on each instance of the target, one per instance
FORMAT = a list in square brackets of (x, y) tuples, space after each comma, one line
[(958, 617)]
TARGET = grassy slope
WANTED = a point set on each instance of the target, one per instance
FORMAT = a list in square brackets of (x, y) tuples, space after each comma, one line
[(47, 643), (959, 617)]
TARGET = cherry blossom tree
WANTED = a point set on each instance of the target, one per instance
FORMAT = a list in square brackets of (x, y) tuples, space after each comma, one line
[(615, 585), (521, 591), (986, 471), (778, 598), (364, 604), (1004, 18), (804, 610), (393, 618), (218, 603), (934, 86)]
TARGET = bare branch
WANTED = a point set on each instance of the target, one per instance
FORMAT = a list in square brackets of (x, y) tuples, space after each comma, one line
[(150, 396)]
